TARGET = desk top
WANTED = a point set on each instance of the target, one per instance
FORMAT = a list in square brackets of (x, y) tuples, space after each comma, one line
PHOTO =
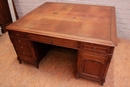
[(86, 23)]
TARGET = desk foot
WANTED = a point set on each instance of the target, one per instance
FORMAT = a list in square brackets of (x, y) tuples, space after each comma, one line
[(37, 66), (102, 82), (19, 60)]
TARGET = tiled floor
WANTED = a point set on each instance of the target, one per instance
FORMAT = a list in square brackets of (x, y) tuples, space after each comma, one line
[(57, 69)]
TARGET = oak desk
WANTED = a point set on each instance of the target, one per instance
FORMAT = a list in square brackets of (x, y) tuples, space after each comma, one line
[(90, 29)]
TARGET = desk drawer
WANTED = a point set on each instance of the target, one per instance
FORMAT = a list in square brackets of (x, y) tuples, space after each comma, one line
[(53, 41), (22, 46), (27, 59), (96, 48), (18, 41), (94, 56), (23, 51), (17, 34)]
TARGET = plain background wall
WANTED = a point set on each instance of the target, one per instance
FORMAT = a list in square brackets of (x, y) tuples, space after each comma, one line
[(122, 11)]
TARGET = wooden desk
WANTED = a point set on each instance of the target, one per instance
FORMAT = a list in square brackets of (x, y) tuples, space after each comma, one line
[(90, 29)]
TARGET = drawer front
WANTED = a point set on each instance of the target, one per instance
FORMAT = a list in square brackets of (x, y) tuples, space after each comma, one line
[(54, 41), (18, 41), (64, 43), (27, 59), (17, 34), (103, 59), (23, 51), (22, 46), (96, 48)]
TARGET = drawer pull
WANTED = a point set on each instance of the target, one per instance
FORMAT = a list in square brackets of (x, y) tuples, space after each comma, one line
[(23, 52), (25, 58), (50, 42), (94, 48), (19, 40), (17, 34), (21, 47), (80, 66)]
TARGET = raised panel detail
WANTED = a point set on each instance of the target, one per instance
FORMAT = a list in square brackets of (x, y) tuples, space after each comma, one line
[(94, 68), (93, 65)]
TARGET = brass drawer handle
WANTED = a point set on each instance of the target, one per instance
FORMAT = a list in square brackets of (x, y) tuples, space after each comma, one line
[(50, 42), (23, 52), (21, 47), (94, 48), (80, 66), (19, 40), (17, 34)]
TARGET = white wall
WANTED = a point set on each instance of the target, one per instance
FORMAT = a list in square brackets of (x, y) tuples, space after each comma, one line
[(11, 10), (122, 11)]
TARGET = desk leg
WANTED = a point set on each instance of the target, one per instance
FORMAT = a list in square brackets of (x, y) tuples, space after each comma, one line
[(102, 82), (19, 60), (37, 65)]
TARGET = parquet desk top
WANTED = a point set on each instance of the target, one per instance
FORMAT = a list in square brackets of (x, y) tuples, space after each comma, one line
[(86, 23)]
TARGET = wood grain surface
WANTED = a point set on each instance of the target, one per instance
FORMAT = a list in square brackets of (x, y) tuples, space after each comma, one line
[(86, 23)]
